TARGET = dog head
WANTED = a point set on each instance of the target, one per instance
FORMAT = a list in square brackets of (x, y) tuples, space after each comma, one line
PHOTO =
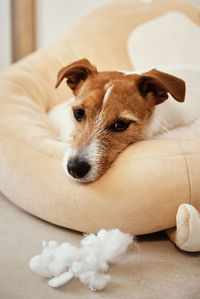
[(110, 111)]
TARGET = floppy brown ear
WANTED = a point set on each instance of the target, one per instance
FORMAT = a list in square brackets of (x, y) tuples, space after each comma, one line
[(75, 73), (160, 84)]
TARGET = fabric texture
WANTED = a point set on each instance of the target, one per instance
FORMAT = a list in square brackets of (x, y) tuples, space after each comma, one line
[(171, 39), (143, 189), (151, 269)]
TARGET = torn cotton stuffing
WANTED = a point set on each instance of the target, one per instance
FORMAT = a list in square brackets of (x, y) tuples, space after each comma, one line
[(63, 262)]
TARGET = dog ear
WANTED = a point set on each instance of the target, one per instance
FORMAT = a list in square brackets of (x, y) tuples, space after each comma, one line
[(75, 73), (160, 84)]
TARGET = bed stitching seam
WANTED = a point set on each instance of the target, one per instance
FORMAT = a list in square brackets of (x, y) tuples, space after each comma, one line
[(189, 178)]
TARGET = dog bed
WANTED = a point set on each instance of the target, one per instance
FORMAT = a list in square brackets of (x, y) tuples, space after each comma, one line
[(142, 191)]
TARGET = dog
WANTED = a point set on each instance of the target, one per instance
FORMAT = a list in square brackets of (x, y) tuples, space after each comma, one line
[(111, 110)]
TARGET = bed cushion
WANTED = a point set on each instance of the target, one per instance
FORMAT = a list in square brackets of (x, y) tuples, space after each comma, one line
[(172, 38), (142, 191)]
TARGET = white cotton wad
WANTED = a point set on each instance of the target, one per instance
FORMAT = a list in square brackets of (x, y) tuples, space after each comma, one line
[(62, 262)]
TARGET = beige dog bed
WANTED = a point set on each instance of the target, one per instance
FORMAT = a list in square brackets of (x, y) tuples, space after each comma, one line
[(142, 191)]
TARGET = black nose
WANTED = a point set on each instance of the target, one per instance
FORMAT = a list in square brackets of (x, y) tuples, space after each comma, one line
[(77, 167)]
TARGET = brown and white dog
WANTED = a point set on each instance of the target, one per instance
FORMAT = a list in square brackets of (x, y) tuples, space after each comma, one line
[(112, 110)]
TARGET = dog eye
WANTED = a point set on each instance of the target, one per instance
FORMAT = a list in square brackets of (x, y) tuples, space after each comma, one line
[(120, 126), (79, 114)]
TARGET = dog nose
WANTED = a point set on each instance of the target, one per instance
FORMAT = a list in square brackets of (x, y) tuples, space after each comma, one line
[(77, 167)]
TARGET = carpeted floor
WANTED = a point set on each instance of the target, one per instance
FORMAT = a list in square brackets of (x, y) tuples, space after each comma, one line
[(153, 268)]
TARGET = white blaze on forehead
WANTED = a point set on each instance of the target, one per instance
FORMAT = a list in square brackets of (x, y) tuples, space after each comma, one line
[(107, 94), (105, 99)]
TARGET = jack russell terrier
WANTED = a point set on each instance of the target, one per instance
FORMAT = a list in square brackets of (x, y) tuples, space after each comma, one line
[(112, 110)]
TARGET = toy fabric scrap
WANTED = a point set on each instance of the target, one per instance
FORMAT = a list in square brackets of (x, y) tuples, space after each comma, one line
[(62, 262)]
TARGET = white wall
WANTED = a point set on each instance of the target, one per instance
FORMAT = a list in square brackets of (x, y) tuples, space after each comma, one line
[(5, 34), (55, 16)]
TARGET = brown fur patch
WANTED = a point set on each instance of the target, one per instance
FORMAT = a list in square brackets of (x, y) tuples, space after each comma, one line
[(134, 94)]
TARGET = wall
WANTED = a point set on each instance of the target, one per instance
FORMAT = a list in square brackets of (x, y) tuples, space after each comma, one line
[(5, 34), (52, 18)]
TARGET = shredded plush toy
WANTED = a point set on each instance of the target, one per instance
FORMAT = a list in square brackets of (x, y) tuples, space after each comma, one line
[(63, 262)]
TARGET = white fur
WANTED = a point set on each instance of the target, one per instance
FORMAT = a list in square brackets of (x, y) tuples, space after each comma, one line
[(62, 119), (175, 120), (101, 113), (168, 116), (63, 262), (106, 96), (170, 120), (91, 153)]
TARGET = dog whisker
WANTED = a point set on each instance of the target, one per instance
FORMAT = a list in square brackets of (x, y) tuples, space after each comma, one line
[(116, 110)]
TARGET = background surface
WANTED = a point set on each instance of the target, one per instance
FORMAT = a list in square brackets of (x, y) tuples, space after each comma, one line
[(53, 17)]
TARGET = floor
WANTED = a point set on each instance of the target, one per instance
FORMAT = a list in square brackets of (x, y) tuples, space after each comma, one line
[(152, 268)]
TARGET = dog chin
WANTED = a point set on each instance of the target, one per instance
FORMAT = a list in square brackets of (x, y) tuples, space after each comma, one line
[(84, 180), (89, 178)]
